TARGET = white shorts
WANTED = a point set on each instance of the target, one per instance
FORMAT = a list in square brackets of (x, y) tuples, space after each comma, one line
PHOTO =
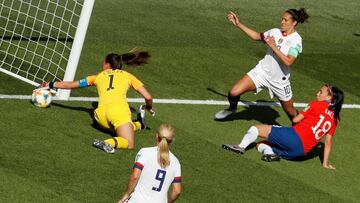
[(280, 89)]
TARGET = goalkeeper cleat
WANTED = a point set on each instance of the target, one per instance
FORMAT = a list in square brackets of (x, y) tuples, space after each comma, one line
[(224, 113), (141, 116), (104, 146), (270, 157), (235, 148)]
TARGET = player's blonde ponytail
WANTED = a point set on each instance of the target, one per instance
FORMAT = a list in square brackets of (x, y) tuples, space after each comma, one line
[(165, 135)]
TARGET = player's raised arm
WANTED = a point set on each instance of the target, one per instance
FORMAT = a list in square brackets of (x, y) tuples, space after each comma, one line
[(234, 19)]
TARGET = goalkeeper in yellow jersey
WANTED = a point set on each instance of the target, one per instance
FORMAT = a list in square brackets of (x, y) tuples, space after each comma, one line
[(113, 110)]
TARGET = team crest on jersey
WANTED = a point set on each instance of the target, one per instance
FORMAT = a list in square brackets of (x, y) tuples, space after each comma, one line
[(137, 157), (280, 40)]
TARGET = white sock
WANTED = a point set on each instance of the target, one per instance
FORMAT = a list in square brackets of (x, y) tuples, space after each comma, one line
[(265, 149), (249, 137)]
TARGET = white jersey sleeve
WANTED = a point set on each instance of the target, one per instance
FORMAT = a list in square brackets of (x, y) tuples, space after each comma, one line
[(140, 160), (177, 171)]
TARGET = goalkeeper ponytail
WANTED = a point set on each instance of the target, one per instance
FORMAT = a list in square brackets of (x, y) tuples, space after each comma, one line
[(134, 58), (165, 134)]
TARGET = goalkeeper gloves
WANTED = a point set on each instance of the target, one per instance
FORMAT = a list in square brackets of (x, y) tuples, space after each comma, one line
[(150, 109), (47, 86)]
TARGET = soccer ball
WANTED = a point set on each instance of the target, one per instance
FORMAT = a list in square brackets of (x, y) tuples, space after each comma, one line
[(41, 98)]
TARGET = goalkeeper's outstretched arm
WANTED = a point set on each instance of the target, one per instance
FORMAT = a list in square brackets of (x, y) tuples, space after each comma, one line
[(66, 85), (60, 85)]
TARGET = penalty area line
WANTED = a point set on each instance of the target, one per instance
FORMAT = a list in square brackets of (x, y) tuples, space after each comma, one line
[(176, 101)]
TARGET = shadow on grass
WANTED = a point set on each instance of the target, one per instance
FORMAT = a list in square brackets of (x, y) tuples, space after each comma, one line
[(216, 92), (317, 151), (263, 114)]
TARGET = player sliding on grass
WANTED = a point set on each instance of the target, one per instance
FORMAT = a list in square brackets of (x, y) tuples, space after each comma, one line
[(318, 119), (273, 71), (155, 169), (113, 111)]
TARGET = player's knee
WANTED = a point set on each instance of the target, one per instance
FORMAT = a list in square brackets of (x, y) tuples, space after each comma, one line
[(234, 92), (130, 146)]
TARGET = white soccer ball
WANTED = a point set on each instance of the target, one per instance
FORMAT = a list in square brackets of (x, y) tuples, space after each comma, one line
[(41, 98)]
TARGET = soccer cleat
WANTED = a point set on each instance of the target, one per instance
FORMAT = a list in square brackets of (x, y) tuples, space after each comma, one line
[(224, 113), (104, 146), (270, 157), (141, 116), (234, 148)]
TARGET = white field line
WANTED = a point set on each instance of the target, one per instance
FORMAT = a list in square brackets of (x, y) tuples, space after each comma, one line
[(177, 101)]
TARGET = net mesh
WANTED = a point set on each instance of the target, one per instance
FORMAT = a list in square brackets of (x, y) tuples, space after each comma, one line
[(36, 37)]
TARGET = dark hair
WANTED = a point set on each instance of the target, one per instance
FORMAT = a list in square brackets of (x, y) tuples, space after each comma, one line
[(134, 58), (337, 99), (299, 16)]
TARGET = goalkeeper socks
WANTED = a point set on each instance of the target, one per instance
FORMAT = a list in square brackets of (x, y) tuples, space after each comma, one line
[(249, 137), (265, 149), (136, 125), (118, 142), (233, 101)]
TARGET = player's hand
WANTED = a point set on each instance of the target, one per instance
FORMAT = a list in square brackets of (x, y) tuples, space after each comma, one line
[(270, 41), (47, 86), (329, 167), (150, 109), (232, 17)]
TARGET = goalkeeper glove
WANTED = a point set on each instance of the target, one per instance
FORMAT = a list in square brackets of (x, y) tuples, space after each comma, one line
[(150, 109), (47, 86)]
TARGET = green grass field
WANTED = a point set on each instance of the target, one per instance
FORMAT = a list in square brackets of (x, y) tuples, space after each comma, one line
[(46, 154)]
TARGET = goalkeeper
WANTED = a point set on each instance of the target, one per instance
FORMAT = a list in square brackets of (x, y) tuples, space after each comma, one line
[(113, 111)]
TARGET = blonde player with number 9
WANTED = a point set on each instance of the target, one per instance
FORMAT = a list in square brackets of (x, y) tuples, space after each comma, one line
[(155, 170)]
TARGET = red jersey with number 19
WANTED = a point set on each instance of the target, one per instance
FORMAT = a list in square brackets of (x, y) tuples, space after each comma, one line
[(318, 121)]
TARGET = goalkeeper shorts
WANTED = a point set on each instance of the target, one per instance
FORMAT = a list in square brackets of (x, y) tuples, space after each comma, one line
[(112, 117)]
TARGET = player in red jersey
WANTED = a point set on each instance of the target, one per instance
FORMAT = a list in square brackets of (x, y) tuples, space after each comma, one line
[(319, 119)]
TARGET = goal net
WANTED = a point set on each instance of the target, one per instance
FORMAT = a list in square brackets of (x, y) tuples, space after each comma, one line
[(41, 40)]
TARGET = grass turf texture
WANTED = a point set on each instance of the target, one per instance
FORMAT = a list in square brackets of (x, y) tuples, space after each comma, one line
[(42, 163), (46, 154)]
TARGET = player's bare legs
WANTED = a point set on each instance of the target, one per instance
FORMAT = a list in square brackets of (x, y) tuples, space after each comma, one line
[(126, 131), (251, 136), (289, 108), (264, 130), (245, 84)]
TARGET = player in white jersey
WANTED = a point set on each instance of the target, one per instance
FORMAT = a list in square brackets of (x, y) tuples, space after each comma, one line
[(155, 170), (273, 71)]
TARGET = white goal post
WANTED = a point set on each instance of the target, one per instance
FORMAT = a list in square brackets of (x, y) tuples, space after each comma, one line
[(41, 40)]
